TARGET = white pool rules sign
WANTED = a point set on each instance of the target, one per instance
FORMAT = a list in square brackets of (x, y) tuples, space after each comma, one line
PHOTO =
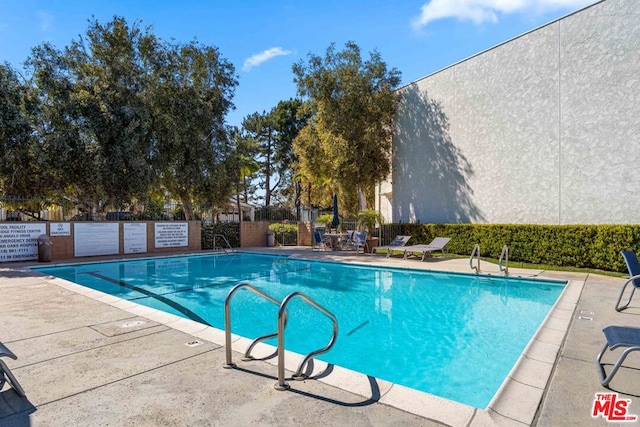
[(171, 234), (19, 241)]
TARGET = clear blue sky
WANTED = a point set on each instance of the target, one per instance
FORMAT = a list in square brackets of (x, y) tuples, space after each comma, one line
[(263, 39)]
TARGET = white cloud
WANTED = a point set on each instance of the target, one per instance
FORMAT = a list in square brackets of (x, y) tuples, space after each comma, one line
[(479, 11), (264, 56), (45, 20)]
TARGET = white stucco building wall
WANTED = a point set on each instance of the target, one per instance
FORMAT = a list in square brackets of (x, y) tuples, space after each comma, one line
[(544, 129)]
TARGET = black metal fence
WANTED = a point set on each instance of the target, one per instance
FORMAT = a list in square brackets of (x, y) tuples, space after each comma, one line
[(31, 209), (14, 208)]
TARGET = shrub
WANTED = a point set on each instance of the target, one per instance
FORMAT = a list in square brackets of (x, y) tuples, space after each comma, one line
[(368, 219), (325, 219), (285, 234), (229, 230), (283, 228), (582, 246)]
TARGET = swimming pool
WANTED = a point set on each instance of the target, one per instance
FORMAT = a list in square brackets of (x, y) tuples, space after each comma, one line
[(453, 335)]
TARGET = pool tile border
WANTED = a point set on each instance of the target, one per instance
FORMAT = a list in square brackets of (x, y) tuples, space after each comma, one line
[(520, 395), (515, 403)]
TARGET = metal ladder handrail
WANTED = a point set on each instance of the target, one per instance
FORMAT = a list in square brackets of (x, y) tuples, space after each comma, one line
[(225, 240), (476, 251), (505, 255), (281, 384), (227, 322)]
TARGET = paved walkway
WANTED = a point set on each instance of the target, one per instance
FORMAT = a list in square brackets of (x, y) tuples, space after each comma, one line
[(88, 359)]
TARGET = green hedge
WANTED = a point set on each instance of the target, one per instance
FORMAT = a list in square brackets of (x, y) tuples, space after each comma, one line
[(582, 246), (229, 230), (285, 234)]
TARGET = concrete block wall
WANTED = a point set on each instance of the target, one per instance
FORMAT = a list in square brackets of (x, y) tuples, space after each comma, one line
[(253, 234), (63, 249), (304, 234), (541, 129)]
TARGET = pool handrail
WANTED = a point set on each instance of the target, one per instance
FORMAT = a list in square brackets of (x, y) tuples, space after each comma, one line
[(226, 241), (282, 323), (227, 322), (281, 384), (504, 255), (476, 252)]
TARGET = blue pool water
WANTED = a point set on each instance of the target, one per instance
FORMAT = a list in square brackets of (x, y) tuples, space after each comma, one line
[(453, 335)]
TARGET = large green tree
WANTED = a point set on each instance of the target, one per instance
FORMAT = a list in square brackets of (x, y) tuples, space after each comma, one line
[(290, 118), (122, 112), (259, 129), (192, 91), (354, 103), (99, 85), (273, 133), (243, 165), (68, 147), (21, 168)]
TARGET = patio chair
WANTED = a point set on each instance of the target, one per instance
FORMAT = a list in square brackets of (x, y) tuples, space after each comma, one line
[(5, 372), (320, 242), (395, 244), (359, 240), (617, 336), (436, 244), (633, 266), (346, 241)]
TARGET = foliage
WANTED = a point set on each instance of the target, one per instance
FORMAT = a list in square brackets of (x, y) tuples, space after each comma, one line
[(94, 92), (21, 171), (289, 118), (117, 116), (278, 227), (272, 134), (582, 246), (368, 219), (192, 92), (260, 130), (325, 219), (348, 140), (154, 210), (242, 165), (229, 230), (17, 207), (284, 234)]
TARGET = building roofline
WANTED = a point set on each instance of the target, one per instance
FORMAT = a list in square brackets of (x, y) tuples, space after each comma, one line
[(500, 44)]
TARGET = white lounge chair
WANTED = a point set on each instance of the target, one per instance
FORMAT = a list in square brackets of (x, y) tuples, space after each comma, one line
[(436, 244), (396, 244)]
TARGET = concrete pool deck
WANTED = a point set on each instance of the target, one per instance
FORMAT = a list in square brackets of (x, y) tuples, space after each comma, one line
[(86, 358)]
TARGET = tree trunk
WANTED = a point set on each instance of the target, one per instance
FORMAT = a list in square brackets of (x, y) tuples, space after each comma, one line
[(245, 189), (187, 208), (267, 193), (362, 200), (239, 207), (298, 196)]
